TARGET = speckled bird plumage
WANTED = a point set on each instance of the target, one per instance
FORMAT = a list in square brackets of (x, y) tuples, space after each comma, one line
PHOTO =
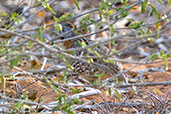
[(89, 70)]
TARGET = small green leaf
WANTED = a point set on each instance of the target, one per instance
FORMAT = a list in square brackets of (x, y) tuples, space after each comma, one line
[(111, 61), (160, 1), (115, 51), (154, 57), (142, 32), (95, 83), (115, 81), (11, 76), (55, 88), (117, 94), (169, 2), (30, 43), (68, 65), (56, 19), (151, 13), (109, 91), (85, 28), (77, 101), (3, 14), (99, 75), (155, 11), (150, 39), (58, 27), (93, 21), (124, 1), (169, 55), (112, 42), (3, 81), (111, 30), (166, 64), (25, 96), (90, 60), (63, 17), (135, 25), (75, 90), (82, 44), (14, 62), (164, 56), (95, 52), (122, 12), (46, 5), (15, 17), (56, 108), (41, 100), (39, 31), (76, 3), (144, 6)]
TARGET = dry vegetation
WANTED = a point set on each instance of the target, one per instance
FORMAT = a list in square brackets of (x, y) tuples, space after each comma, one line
[(35, 68)]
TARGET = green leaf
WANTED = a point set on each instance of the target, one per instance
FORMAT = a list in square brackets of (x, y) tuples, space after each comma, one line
[(99, 75), (111, 30), (39, 30), (77, 101), (151, 13), (55, 89), (30, 43), (95, 52), (93, 21), (3, 81), (154, 57), (56, 19), (82, 44), (68, 65), (75, 90), (11, 76), (111, 61), (112, 42), (63, 17), (3, 14), (109, 91), (46, 5), (25, 95), (115, 81), (41, 100), (14, 62), (124, 1), (150, 39), (56, 108), (169, 2), (144, 6), (122, 12), (142, 32), (58, 27), (155, 11), (134, 25), (117, 94), (164, 56), (76, 3), (18, 105), (90, 60), (85, 28), (95, 83), (169, 55), (160, 1), (166, 64), (14, 17)]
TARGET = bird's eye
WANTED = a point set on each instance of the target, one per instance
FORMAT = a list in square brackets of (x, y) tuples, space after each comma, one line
[(62, 38)]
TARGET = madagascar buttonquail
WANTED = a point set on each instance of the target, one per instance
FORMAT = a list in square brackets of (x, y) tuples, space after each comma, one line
[(89, 71)]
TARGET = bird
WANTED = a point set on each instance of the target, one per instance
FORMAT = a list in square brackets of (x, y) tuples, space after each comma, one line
[(99, 68)]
